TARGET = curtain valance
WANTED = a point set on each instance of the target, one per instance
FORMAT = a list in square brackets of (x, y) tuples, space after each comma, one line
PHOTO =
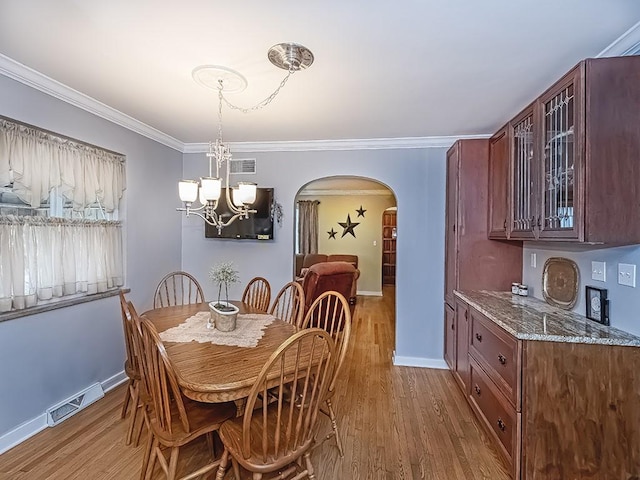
[(37, 161)]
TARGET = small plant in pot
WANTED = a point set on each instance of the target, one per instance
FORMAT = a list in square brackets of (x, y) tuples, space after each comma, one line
[(223, 313)]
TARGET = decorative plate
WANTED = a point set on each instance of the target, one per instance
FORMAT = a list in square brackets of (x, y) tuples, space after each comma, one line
[(560, 279)]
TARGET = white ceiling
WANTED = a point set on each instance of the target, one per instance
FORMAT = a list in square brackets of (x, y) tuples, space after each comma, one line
[(410, 68)]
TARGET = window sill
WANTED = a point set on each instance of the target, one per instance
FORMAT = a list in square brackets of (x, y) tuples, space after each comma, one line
[(47, 307)]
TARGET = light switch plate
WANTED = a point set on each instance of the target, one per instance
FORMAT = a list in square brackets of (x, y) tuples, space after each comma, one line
[(599, 271), (534, 261), (627, 274)]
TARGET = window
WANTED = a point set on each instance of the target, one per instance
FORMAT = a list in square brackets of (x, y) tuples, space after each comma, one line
[(59, 229)]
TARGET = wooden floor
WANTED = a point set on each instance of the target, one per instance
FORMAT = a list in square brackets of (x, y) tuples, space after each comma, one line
[(397, 422)]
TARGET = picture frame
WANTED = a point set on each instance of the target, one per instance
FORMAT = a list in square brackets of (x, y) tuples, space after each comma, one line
[(597, 304)]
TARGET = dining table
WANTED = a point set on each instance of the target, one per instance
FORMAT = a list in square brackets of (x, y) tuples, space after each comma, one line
[(210, 372)]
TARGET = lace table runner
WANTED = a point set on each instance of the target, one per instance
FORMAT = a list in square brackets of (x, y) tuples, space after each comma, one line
[(249, 330)]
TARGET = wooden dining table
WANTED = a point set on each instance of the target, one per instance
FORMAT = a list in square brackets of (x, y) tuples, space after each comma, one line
[(213, 373)]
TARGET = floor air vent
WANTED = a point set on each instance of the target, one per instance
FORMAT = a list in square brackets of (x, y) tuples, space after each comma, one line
[(243, 165), (65, 409)]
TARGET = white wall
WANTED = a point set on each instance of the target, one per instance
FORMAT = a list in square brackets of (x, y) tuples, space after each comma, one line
[(48, 357), (416, 176), (624, 301)]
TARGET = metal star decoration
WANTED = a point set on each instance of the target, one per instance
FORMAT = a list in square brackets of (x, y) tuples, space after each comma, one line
[(348, 226), (361, 211), (332, 234)]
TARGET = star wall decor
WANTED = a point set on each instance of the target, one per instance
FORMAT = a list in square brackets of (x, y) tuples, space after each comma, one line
[(361, 211), (332, 234), (348, 226)]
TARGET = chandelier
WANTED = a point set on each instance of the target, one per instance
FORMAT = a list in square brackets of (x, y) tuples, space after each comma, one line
[(288, 56)]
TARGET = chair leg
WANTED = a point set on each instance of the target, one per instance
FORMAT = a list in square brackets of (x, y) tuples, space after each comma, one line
[(141, 424), (223, 465), (152, 458), (127, 397), (310, 470), (147, 456), (236, 469), (173, 463), (334, 425), (133, 395)]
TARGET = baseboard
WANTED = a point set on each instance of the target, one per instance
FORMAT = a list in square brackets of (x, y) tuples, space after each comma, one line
[(402, 361), (22, 432), (39, 423), (366, 293), (112, 382)]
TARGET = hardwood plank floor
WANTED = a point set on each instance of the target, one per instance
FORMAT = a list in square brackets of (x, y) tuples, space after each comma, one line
[(396, 423)]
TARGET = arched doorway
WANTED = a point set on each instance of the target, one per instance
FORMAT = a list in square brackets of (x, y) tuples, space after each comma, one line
[(349, 216)]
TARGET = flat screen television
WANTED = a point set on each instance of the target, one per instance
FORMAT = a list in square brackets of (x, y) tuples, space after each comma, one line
[(259, 225)]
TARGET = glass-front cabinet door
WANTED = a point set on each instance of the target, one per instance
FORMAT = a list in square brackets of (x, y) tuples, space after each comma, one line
[(523, 202), (560, 160)]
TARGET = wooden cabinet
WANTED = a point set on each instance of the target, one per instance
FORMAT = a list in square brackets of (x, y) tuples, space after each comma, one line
[(555, 410), (389, 234), (472, 261), (573, 151), (499, 184)]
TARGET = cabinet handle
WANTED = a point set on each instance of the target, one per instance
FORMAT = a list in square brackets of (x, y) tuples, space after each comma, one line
[(539, 223), (453, 326), (466, 314), (477, 389), (504, 225), (501, 425), (478, 337), (502, 359)]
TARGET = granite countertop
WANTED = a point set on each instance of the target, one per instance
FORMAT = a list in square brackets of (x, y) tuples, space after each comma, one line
[(528, 318)]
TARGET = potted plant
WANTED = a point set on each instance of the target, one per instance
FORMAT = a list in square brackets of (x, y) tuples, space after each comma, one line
[(223, 313)]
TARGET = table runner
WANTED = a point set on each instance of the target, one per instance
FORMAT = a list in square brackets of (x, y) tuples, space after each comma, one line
[(249, 330)]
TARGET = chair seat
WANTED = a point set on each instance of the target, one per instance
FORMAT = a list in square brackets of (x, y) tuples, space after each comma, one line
[(203, 418), (231, 435)]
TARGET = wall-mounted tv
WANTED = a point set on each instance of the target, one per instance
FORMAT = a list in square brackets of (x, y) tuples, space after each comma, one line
[(259, 226)]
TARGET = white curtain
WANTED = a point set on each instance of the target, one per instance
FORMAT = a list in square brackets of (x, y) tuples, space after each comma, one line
[(42, 258), (37, 161), (308, 226)]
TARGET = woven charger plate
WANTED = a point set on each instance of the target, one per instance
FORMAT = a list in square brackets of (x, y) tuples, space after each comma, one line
[(560, 280)]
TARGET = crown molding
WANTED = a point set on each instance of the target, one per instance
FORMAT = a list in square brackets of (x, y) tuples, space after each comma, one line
[(34, 79), (350, 144), (330, 193), (626, 44)]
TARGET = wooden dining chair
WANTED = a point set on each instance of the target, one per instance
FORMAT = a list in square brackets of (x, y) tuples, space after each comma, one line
[(278, 435), (257, 294), (131, 369), (177, 288), (289, 304), (330, 312), (173, 419)]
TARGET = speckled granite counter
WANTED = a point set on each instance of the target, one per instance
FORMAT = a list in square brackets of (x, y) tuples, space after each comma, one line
[(528, 318)]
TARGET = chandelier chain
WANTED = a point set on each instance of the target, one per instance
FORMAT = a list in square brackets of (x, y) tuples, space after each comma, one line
[(260, 105)]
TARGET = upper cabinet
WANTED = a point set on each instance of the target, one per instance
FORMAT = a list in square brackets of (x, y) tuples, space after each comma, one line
[(499, 184), (574, 157)]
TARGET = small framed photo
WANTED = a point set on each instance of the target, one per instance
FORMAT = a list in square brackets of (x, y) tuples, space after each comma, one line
[(597, 304)]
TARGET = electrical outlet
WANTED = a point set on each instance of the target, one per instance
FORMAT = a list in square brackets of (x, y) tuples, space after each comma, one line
[(627, 274), (599, 271)]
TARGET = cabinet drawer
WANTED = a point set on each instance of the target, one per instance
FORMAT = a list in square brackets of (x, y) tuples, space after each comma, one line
[(498, 353), (492, 408)]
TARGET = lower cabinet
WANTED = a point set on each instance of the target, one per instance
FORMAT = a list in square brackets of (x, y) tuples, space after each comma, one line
[(554, 410)]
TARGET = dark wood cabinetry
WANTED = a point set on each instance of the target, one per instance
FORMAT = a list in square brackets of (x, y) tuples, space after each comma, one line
[(555, 410), (573, 153), (389, 234), (472, 261), (499, 184)]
